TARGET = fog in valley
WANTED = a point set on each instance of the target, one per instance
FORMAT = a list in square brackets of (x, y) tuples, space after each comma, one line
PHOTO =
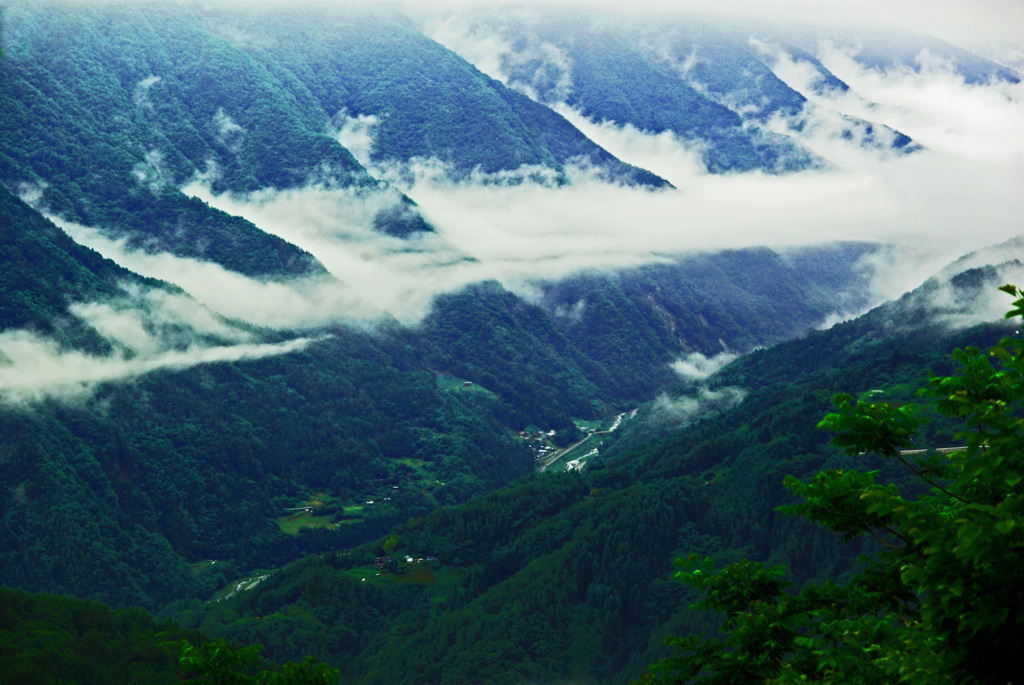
[(960, 192)]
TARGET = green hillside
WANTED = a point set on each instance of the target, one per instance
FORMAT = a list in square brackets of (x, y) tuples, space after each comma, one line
[(178, 466), (569, 576), (110, 110)]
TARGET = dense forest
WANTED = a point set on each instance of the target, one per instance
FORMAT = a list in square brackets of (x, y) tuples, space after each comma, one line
[(569, 576), (181, 466)]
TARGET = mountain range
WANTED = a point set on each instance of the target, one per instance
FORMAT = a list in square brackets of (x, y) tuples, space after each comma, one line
[(286, 296)]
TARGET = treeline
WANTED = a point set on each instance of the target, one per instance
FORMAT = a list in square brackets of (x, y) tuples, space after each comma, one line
[(51, 640)]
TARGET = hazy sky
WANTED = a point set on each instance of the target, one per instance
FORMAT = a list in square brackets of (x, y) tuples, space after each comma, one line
[(963, 21)]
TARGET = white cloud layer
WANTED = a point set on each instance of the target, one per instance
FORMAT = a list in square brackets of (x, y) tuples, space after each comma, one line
[(969, 23), (149, 330), (34, 368), (680, 411), (962, 22), (961, 193), (697, 367)]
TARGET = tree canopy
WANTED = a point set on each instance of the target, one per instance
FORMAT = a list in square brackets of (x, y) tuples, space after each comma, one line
[(941, 601)]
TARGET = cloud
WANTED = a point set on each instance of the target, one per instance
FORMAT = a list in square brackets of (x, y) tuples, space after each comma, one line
[(961, 193), (697, 367), (958, 194), (152, 172), (929, 207), (229, 133), (487, 51), (516, 227), (975, 122), (34, 368), (148, 330), (533, 66), (283, 305), (373, 274), (147, 321), (356, 134), (679, 411), (140, 96), (962, 300), (962, 22), (921, 204)]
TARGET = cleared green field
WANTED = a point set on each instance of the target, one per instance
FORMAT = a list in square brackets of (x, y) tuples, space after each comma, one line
[(303, 519), (577, 451), (454, 383), (414, 574)]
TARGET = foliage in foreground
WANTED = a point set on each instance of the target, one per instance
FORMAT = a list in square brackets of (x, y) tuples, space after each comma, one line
[(53, 640), (220, 664), (942, 601), (48, 639)]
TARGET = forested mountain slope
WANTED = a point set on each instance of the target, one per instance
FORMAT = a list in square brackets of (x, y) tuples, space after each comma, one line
[(37, 298), (428, 103), (614, 336), (567, 576), (609, 70), (711, 83), (110, 110), (158, 460)]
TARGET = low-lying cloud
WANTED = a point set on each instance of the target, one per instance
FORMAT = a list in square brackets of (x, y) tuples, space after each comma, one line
[(355, 133), (34, 368), (696, 367), (148, 330), (960, 193), (684, 410)]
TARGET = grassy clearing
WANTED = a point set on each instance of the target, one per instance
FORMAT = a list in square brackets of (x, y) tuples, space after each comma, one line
[(364, 572), (200, 565), (421, 476), (415, 574), (446, 381), (577, 451), (303, 519)]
